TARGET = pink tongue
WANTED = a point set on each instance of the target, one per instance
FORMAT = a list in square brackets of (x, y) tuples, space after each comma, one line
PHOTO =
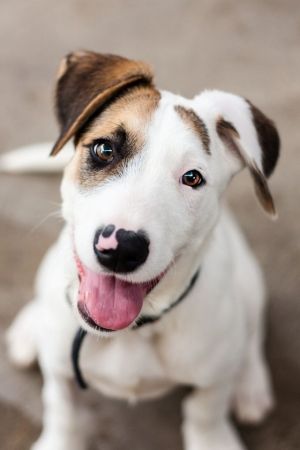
[(111, 303)]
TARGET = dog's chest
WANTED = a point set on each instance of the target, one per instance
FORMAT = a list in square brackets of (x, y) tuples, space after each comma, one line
[(127, 367)]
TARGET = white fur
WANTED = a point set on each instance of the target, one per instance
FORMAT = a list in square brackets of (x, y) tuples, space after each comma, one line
[(35, 158), (212, 340)]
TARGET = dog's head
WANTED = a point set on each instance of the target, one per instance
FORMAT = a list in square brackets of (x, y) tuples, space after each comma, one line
[(145, 185)]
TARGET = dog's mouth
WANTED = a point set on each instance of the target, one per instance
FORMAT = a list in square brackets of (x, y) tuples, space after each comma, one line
[(108, 303)]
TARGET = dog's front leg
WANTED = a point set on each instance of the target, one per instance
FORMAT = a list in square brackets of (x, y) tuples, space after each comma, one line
[(206, 426), (61, 427)]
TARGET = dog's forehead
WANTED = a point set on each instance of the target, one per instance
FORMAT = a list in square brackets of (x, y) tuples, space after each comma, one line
[(176, 129)]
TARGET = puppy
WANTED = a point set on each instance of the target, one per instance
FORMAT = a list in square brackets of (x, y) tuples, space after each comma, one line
[(149, 257)]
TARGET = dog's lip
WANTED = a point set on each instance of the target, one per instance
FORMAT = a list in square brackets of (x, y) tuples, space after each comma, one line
[(84, 314)]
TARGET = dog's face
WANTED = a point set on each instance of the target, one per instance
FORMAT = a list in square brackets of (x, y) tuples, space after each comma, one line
[(146, 181)]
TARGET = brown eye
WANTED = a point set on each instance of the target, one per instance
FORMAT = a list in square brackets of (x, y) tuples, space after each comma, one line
[(103, 151), (193, 178)]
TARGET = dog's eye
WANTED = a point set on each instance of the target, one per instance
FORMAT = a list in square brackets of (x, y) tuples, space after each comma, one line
[(103, 151), (193, 178)]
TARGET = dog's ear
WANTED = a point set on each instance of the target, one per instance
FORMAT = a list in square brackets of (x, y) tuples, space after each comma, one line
[(87, 81), (251, 139)]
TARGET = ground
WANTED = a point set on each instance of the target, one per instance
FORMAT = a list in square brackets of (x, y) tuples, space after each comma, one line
[(250, 48)]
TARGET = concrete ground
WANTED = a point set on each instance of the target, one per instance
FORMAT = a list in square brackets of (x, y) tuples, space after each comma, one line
[(251, 48)]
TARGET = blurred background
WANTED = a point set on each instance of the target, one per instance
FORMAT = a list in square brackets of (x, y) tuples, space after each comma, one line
[(249, 48)]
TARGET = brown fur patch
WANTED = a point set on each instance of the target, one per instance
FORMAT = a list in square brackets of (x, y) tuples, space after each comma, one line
[(87, 82), (196, 123), (125, 124), (268, 138), (227, 132), (262, 190)]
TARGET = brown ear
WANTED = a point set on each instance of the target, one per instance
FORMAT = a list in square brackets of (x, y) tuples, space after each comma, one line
[(268, 137), (86, 82), (269, 144)]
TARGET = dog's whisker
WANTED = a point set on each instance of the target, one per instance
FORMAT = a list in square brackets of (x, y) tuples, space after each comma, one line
[(53, 214), (56, 204)]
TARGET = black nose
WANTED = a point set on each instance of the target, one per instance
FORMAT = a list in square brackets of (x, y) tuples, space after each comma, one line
[(130, 252)]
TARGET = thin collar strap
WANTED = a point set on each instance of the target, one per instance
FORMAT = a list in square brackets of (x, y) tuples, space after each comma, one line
[(145, 320), (75, 351)]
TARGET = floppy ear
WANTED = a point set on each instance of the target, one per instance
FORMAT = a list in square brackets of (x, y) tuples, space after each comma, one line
[(87, 81), (251, 138)]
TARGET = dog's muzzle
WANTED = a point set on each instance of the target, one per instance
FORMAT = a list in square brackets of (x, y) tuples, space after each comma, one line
[(105, 301)]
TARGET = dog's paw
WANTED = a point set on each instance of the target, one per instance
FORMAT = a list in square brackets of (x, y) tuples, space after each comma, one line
[(21, 348), (251, 407), (220, 437), (20, 338), (253, 399)]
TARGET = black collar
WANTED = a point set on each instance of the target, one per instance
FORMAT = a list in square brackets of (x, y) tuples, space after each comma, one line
[(143, 320)]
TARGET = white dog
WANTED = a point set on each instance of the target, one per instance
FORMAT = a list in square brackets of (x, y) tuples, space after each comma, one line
[(149, 258)]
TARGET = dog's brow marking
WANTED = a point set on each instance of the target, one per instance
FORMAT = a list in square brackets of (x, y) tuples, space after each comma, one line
[(224, 126), (196, 123), (227, 132)]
